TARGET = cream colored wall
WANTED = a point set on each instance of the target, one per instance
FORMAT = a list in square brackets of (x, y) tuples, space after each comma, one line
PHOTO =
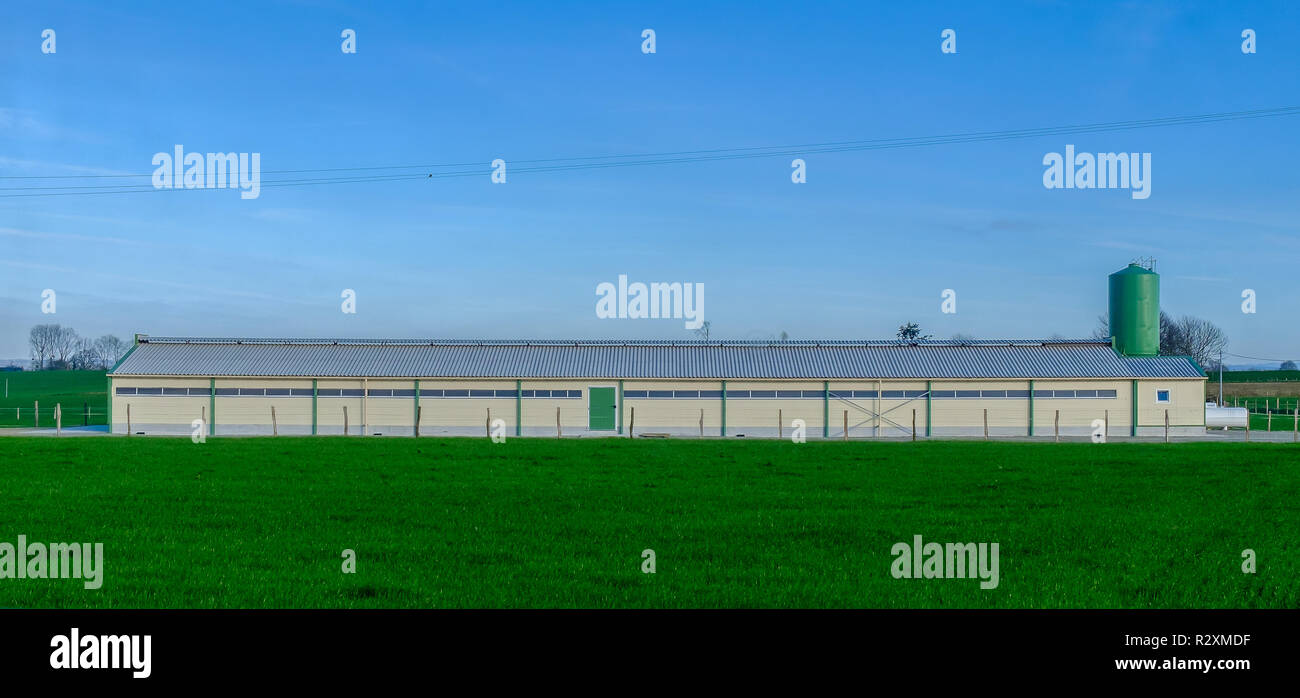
[(1080, 412), (761, 413), (1004, 413), (539, 413), (1186, 402), (152, 410), (654, 414), (1186, 406), (175, 411)]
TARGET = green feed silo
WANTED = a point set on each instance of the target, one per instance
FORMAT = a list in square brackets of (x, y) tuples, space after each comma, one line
[(1135, 311)]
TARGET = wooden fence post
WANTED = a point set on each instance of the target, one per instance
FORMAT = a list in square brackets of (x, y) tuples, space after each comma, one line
[(1058, 426), (1106, 434), (128, 419), (487, 425), (275, 428), (345, 420), (780, 423), (914, 425), (37, 410), (558, 433), (1295, 426), (1269, 423), (846, 425), (631, 424), (418, 408), (1166, 426), (701, 422), (986, 422), (58, 418)]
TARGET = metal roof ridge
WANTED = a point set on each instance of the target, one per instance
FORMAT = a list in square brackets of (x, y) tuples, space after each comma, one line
[(362, 341)]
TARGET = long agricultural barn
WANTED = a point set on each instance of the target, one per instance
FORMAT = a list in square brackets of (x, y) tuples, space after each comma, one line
[(690, 388)]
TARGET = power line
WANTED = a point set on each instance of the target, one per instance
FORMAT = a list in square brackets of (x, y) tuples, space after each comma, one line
[(1255, 358), (541, 165)]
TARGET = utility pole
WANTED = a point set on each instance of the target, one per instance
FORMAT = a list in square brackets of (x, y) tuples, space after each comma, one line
[(1220, 378)]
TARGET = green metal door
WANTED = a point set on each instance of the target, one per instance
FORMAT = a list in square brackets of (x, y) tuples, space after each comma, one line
[(601, 409)]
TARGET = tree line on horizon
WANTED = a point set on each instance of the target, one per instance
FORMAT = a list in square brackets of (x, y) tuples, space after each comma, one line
[(58, 348)]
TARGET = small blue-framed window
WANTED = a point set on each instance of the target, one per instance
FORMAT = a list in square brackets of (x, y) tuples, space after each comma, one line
[(711, 394), (1162, 395), (330, 392), (126, 391)]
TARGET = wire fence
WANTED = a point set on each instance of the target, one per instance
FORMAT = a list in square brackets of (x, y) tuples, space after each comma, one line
[(1264, 405), (43, 416)]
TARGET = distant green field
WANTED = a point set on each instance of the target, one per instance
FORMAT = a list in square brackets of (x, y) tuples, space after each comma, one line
[(1254, 376), (75, 390), (261, 523)]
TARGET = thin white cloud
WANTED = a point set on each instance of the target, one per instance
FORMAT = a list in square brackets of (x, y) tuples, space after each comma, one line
[(39, 235)]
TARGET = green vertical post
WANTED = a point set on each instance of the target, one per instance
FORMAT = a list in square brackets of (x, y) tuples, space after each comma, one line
[(313, 406), (519, 406), (724, 408), (212, 406), (1031, 408), (620, 407), (110, 404), (928, 392), (1133, 428), (826, 409)]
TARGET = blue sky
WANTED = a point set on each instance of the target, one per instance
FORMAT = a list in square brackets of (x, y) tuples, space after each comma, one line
[(869, 242)]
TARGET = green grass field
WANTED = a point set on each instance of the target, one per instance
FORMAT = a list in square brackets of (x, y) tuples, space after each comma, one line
[(75, 390), (545, 523), (1254, 376)]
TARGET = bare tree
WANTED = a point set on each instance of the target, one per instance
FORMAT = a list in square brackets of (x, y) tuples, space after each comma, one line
[(65, 344), (1200, 339), (41, 343), (85, 358), (1102, 330), (703, 331), (110, 350)]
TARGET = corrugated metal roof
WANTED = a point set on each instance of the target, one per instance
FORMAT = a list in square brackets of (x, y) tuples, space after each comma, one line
[(803, 359)]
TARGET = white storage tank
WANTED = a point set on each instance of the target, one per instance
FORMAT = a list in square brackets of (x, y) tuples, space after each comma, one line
[(1216, 416)]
